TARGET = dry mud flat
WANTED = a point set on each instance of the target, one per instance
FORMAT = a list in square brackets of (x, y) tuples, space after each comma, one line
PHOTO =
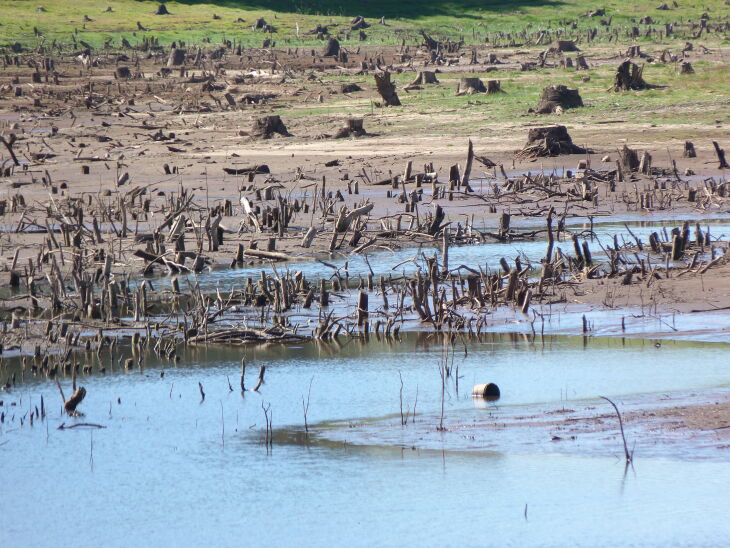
[(182, 169)]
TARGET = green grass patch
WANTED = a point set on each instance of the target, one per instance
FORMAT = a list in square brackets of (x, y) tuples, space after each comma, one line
[(192, 21)]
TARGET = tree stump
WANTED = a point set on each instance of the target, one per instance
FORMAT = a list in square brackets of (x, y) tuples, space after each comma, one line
[(266, 127), (386, 89), (176, 58), (353, 127), (686, 68), (467, 86), (629, 77), (162, 10), (558, 96), (565, 45), (424, 77), (549, 141), (629, 159), (123, 73), (689, 150), (332, 49)]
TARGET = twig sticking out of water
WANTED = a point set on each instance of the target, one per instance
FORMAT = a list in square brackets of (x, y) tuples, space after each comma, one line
[(262, 370), (243, 373), (269, 441), (305, 407), (202, 394), (629, 456)]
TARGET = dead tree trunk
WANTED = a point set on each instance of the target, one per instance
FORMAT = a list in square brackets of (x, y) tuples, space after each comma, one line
[(386, 89), (720, 155)]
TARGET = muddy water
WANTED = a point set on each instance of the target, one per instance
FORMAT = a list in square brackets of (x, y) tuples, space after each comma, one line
[(172, 469)]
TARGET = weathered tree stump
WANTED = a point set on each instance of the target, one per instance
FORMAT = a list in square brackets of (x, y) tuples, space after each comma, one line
[(467, 86), (558, 96), (332, 49), (689, 150), (176, 58), (359, 23), (266, 127), (353, 127), (629, 77), (720, 155), (686, 68), (549, 141), (162, 10), (425, 77), (629, 159), (123, 73), (386, 89), (580, 63), (565, 45)]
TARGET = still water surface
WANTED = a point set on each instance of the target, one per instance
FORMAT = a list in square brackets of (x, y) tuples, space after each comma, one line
[(172, 470)]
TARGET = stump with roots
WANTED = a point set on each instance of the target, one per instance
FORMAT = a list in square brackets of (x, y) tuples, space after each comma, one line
[(266, 127), (558, 96), (467, 86), (123, 73), (351, 128), (176, 58), (565, 45), (386, 89), (629, 77), (162, 10), (686, 68), (424, 77), (580, 63), (332, 49), (549, 141)]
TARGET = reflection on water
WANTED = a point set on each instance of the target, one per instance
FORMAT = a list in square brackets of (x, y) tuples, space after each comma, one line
[(172, 469)]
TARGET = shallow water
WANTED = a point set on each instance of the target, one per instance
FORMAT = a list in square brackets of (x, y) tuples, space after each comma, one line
[(170, 469), (486, 255)]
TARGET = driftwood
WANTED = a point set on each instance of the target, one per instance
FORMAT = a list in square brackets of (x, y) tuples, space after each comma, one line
[(271, 255), (344, 219), (255, 170)]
